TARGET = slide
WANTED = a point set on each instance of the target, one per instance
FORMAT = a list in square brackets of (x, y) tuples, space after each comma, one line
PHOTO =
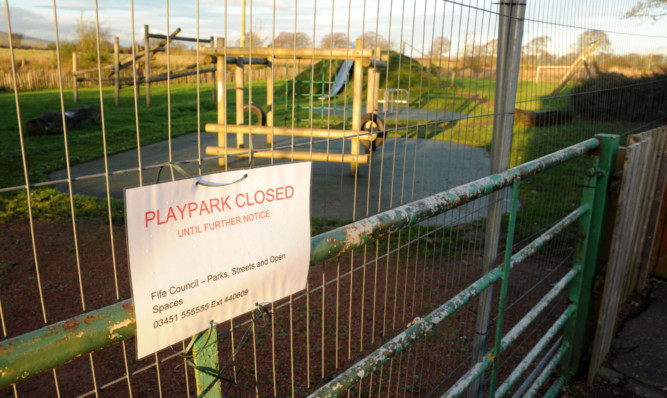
[(341, 79)]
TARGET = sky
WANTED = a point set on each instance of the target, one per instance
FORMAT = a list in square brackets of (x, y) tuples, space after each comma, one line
[(413, 21)]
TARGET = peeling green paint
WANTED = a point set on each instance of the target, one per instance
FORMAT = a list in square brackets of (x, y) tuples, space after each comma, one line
[(43, 349), (535, 352), (354, 235), (54, 345), (370, 363)]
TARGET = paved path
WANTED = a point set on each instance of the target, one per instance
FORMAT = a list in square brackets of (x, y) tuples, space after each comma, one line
[(401, 170), (642, 348), (396, 113)]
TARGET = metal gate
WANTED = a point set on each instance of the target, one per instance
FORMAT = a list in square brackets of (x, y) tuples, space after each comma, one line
[(408, 292)]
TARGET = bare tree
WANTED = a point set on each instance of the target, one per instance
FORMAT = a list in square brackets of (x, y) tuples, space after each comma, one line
[(439, 49), (336, 40), (591, 36), (466, 44), (291, 40), (256, 39), (371, 40), (487, 49), (654, 9), (537, 47)]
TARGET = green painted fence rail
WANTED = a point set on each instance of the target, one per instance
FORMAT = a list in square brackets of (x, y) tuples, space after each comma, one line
[(370, 363), (62, 342)]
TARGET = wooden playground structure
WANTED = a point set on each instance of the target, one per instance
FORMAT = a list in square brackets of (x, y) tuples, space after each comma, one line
[(142, 61), (367, 129)]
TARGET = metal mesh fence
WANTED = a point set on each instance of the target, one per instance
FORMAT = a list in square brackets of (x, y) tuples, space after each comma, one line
[(434, 103)]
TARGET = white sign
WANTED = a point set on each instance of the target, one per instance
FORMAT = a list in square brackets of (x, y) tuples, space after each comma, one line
[(202, 253)]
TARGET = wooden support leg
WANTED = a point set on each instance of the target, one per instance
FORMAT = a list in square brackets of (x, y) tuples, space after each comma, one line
[(76, 82), (147, 69), (355, 148), (221, 91), (356, 107), (116, 68), (238, 77), (269, 103)]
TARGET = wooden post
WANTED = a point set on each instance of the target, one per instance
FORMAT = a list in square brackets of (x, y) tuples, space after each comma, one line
[(370, 93), (373, 90), (147, 54), (238, 80), (221, 90), (356, 107), (269, 101), (214, 95), (75, 77), (116, 69), (376, 87)]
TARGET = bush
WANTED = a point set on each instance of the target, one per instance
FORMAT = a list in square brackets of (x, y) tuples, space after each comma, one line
[(612, 97)]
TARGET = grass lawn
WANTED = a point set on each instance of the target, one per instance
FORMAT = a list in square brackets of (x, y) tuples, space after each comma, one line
[(472, 96)]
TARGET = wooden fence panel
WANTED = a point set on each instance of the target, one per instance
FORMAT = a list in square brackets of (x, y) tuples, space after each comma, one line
[(619, 256), (645, 235), (633, 229)]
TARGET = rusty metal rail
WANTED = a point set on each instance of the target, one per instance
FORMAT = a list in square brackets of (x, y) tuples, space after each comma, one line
[(32, 353), (366, 366)]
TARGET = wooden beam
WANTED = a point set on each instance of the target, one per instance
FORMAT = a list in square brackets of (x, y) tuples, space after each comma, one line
[(75, 88), (296, 155), (147, 69), (221, 99), (116, 80), (299, 53), (287, 131)]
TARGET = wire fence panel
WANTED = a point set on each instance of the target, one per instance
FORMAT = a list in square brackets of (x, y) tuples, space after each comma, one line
[(393, 100)]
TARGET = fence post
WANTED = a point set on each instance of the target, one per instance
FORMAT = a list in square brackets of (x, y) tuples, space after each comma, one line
[(510, 34), (147, 61), (595, 191), (74, 78), (503, 289), (205, 358), (116, 70)]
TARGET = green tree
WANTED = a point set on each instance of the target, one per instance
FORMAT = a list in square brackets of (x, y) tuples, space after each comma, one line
[(16, 39), (86, 44)]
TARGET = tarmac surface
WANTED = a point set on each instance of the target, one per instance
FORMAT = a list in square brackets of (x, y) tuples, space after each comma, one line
[(641, 348), (394, 113), (400, 171)]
